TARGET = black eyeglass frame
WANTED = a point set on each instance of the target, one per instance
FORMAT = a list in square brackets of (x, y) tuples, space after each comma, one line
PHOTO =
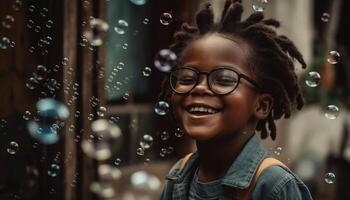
[(208, 73)]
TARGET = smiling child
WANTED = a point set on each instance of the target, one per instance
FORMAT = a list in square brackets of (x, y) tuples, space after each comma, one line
[(233, 79)]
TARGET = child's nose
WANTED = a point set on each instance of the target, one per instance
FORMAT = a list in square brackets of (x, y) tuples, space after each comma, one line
[(202, 87)]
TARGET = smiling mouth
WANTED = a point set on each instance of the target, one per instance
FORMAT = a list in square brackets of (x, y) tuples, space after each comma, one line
[(201, 110)]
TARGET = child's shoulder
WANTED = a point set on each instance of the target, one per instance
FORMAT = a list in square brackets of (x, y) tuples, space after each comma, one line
[(278, 183)]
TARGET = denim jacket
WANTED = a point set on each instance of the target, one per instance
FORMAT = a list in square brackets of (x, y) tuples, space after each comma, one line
[(273, 184)]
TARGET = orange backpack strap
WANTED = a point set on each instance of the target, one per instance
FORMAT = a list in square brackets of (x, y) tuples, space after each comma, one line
[(266, 163), (184, 160)]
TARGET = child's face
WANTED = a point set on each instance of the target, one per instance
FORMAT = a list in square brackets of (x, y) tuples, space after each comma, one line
[(234, 110)]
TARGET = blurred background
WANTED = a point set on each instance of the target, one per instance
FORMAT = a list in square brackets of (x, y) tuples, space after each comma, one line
[(80, 116)]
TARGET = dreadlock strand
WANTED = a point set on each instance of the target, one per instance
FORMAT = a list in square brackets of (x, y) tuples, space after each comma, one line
[(205, 19)]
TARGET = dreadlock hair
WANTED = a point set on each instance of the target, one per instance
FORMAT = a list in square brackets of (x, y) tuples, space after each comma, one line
[(271, 58)]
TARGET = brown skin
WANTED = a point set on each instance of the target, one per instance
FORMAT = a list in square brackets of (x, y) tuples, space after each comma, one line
[(220, 136)]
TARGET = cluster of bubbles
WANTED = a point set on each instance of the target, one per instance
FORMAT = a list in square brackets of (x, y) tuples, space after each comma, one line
[(104, 137), (145, 143), (51, 114)]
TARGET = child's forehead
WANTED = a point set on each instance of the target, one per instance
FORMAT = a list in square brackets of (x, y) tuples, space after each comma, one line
[(214, 49)]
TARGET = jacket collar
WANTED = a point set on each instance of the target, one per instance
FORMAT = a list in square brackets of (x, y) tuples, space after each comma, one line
[(241, 172)]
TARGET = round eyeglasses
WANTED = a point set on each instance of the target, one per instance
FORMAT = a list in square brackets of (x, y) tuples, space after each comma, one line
[(221, 81)]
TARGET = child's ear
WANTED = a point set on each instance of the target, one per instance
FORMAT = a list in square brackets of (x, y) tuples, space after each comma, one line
[(263, 105)]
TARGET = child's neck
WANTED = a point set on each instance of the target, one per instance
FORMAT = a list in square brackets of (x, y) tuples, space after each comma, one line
[(215, 158)]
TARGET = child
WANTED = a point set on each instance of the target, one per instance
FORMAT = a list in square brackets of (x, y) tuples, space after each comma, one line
[(233, 78)]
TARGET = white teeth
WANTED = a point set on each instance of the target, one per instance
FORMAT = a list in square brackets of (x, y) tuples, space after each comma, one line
[(202, 109)]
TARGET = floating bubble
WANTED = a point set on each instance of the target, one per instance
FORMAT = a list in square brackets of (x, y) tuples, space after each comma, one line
[(313, 79), (146, 141), (332, 112), (140, 151), (259, 5), (179, 132), (37, 28), (101, 111), (86, 4), (142, 180), (125, 46), (278, 151), (99, 144), (146, 21), (49, 23), (91, 117), (31, 8), (44, 12), (83, 41), (121, 27), (5, 42), (325, 17), (147, 161), (333, 57), (329, 178), (17, 5), (126, 96), (30, 24), (165, 60), (98, 30), (117, 161), (139, 2), (27, 115), (166, 18), (161, 108), (8, 21), (32, 83), (12, 148), (108, 175), (164, 135), (49, 107), (53, 170), (40, 72), (146, 72), (43, 132)]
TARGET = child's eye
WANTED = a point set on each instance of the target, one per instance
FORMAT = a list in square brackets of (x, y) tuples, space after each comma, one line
[(187, 80), (225, 81)]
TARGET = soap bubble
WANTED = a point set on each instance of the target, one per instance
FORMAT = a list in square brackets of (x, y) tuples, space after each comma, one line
[(145, 21), (49, 23), (140, 151), (139, 2), (161, 108), (31, 8), (121, 27), (32, 83), (108, 175), (98, 29), (329, 178), (49, 107), (146, 141), (331, 112), (259, 5), (125, 46), (44, 12), (5, 42), (43, 132), (27, 115), (105, 135), (313, 79), (8, 21), (17, 5), (117, 161), (40, 72), (164, 135), (333, 57), (101, 111), (142, 180), (325, 17), (12, 148), (165, 60), (166, 18), (53, 170), (146, 72), (179, 132)]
